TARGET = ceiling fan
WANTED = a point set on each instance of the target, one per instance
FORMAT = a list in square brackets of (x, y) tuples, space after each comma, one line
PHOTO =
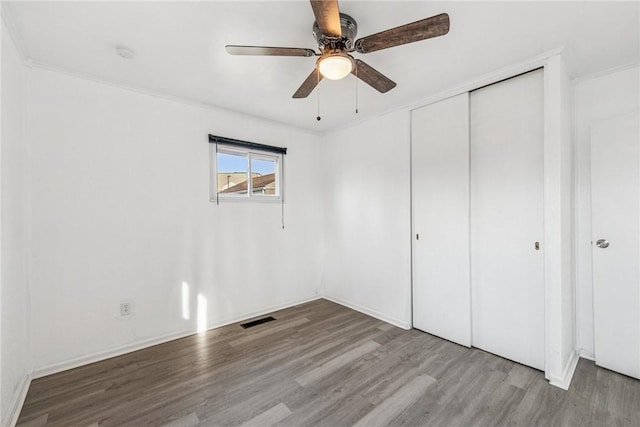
[(335, 33)]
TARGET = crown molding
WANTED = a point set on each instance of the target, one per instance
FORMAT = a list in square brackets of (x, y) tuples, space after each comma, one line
[(6, 10), (606, 72)]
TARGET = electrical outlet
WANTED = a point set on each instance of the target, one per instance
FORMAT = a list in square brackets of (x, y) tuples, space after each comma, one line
[(125, 309)]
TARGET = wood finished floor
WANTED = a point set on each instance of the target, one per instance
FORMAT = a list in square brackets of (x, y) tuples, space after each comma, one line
[(321, 364)]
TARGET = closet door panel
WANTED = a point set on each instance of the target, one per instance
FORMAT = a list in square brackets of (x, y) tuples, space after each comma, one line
[(440, 219), (507, 269)]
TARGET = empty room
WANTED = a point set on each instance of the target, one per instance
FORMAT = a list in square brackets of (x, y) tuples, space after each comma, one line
[(320, 213)]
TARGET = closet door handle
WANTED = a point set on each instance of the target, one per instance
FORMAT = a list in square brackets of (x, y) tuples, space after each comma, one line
[(537, 246)]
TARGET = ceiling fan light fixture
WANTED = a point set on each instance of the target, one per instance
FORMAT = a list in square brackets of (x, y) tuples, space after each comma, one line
[(335, 66)]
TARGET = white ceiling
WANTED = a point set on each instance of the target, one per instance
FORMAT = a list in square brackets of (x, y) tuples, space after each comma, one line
[(180, 48)]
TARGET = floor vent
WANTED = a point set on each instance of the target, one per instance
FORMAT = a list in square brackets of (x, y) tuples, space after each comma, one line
[(257, 322)]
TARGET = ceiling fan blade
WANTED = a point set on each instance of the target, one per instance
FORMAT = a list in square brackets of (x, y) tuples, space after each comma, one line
[(327, 16), (308, 85), (372, 77), (269, 51), (420, 30)]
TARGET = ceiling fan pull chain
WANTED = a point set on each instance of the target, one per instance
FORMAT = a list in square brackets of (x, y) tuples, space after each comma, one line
[(318, 89), (356, 65)]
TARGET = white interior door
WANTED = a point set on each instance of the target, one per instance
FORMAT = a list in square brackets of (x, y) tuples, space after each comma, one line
[(507, 269), (615, 191), (440, 216)]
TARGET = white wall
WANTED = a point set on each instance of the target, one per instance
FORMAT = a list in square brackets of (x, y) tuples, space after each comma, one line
[(596, 98), (367, 217), (14, 294), (121, 211)]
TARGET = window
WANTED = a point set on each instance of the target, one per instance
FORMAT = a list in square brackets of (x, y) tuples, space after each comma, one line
[(243, 174)]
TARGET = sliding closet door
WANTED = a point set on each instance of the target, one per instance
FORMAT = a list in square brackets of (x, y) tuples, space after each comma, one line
[(507, 270), (440, 212)]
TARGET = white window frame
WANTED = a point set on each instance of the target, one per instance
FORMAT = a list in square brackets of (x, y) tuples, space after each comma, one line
[(214, 196)]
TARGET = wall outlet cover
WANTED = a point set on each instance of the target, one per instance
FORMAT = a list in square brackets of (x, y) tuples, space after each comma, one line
[(126, 308)]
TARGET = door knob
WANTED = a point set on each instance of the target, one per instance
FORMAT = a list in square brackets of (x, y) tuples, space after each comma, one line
[(602, 243)]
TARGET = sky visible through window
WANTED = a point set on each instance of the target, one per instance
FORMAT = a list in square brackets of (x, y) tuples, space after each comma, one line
[(263, 167), (229, 163)]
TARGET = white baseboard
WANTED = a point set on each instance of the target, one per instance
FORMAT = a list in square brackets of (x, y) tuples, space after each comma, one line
[(10, 419), (76, 362), (139, 345), (564, 381), (369, 312), (587, 355)]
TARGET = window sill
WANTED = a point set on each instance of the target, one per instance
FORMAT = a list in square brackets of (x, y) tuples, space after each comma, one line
[(246, 200)]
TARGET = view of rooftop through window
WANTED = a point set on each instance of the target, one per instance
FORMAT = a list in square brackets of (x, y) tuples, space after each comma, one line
[(233, 174)]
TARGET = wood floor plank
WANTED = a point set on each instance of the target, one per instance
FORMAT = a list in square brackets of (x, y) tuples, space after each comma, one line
[(270, 417), (321, 364), (335, 364), (396, 403), (190, 420), (38, 421), (386, 326)]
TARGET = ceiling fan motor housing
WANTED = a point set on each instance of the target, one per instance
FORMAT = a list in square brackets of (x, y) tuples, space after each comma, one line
[(349, 28)]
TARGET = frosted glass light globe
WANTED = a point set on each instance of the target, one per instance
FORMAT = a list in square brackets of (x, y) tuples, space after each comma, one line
[(335, 67)]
